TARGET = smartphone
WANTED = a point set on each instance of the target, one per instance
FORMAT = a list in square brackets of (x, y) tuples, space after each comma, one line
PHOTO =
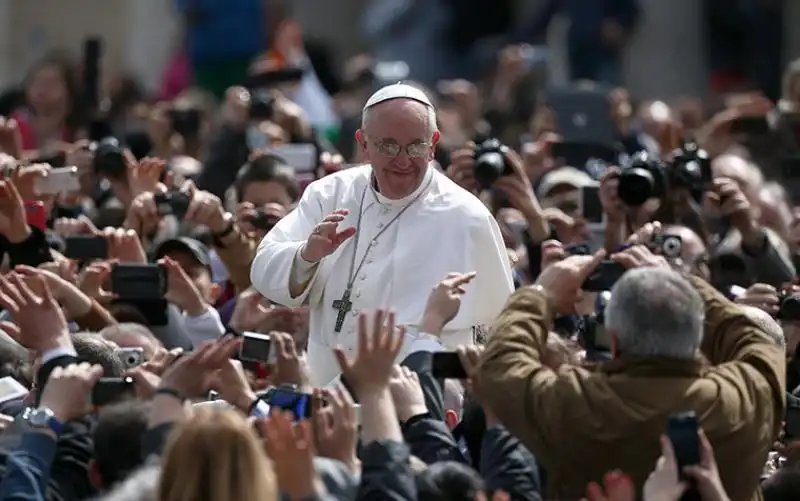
[(131, 357), (591, 207), (86, 247), (791, 425), (175, 203), (302, 157), (262, 106), (682, 430), (11, 389), (109, 390), (59, 180), (750, 125), (139, 281), (35, 215), (256, 347), (604, 277), (286, 398), (447, 365)]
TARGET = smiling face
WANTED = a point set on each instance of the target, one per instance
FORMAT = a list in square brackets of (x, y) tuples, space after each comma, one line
[(398, 138)]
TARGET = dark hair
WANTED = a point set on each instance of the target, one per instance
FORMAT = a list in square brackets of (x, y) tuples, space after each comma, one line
[(126, 313), (117, 440), (263, 168), (65, 64), (93, 349), (449, 481), (783, 485)]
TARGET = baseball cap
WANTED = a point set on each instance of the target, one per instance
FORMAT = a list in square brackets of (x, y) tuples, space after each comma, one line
[(184, 244), (398, 91), (569, 176)]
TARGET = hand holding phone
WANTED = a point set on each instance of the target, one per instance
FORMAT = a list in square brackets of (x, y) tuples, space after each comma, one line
[(683, 432)]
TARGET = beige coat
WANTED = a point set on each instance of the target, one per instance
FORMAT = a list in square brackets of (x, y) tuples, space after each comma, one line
[(581, 423)]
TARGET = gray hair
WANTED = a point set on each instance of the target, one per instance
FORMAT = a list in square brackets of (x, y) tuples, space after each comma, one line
[(766, 323), (429, 110), (656, 312), (141, 485)]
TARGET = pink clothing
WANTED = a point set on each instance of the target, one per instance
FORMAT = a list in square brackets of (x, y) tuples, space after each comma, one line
[(177, 78)]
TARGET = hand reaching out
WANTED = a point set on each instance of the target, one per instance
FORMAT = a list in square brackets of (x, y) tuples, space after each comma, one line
[(552, 252), (616, 487), (290, 368), (562, 280), (193, 374), (762, 296), (125, 246), (181, 291), (34, 309), (143, 176), (444, 302), (409, 400), (93, 278), (377, 350)]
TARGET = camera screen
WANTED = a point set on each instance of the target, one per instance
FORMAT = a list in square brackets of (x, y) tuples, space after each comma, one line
[(289, 400), (256, 347)]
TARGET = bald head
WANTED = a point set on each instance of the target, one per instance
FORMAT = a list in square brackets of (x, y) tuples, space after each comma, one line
[(766, 323)]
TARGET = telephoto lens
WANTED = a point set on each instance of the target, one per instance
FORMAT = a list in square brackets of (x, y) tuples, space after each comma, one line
[(490, 162), (641, 179)]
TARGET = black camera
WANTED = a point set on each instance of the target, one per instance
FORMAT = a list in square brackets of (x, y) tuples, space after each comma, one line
[(109, 159), (669, 246), (690, 169), (788, 306), (643, 178), (186, 121), (262, 105), (490, 162)]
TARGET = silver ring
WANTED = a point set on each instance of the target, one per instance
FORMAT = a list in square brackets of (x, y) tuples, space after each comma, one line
[(316, 230)]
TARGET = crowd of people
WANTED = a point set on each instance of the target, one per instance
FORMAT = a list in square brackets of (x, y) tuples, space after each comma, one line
[(485, 290)]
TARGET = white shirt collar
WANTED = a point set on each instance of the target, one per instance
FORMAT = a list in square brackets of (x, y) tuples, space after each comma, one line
[(401, 202)]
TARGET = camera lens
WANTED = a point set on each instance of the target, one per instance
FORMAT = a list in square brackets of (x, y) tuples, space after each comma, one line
[(671, 247), (490, 163), (636, 186), (108, 158), (789, 308)]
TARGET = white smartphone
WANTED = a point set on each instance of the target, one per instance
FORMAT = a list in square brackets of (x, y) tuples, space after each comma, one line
[(59, 180), (11, 389), (303, 157)]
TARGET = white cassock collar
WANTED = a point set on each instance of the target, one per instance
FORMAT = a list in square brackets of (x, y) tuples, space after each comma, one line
[(401, 202)]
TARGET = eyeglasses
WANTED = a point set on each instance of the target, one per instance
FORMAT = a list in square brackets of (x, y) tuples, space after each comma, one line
[(413, 150)]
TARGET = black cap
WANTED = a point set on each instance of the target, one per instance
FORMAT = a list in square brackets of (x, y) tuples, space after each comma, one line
[(184, 244)]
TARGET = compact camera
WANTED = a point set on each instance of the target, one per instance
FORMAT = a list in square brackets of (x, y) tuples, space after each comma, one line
[(669, 246), (108, 158)]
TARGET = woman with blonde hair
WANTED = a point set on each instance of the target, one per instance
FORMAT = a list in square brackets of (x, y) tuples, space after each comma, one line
[(215, 455)]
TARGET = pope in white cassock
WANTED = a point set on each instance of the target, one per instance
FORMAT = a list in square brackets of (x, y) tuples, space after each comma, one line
[(382, 236)]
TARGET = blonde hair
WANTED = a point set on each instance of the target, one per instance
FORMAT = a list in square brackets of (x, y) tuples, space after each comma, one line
[(216, 456)]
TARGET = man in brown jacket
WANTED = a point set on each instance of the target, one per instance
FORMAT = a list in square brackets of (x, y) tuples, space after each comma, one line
[(678, 345)]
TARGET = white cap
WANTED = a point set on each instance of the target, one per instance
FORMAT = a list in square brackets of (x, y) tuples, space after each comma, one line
[(398, 91), (569, 176)]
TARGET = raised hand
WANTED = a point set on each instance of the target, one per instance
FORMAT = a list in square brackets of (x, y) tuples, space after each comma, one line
[(377, 350), (289, 367), (562, 280), (193, 374), (13, 224), (336, 426), (92, 279), (291, 448), (181, 291), (444, 302), (40, 320), (10, 138), (143, 176), (409, 399), (762, 296), (326, 237), (663, 484), (206, 208), (125, 246), (616, 487), (70, 227)]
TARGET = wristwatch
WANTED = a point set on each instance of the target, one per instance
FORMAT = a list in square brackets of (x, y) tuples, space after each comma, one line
[(42, 418)]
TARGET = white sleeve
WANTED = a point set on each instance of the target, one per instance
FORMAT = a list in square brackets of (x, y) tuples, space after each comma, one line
[(271, 271), (205, 327), (493, 284)]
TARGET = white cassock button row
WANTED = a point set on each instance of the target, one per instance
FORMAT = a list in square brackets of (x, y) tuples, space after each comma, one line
[(380, 225)]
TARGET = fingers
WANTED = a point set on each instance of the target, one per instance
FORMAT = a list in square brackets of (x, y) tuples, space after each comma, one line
[(591, 265), (460, 279)]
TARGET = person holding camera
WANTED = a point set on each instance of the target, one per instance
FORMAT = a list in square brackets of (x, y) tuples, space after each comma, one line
[(378, 234)]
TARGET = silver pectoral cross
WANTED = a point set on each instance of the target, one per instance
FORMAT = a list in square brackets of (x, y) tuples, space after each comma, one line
[(343, 305)]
